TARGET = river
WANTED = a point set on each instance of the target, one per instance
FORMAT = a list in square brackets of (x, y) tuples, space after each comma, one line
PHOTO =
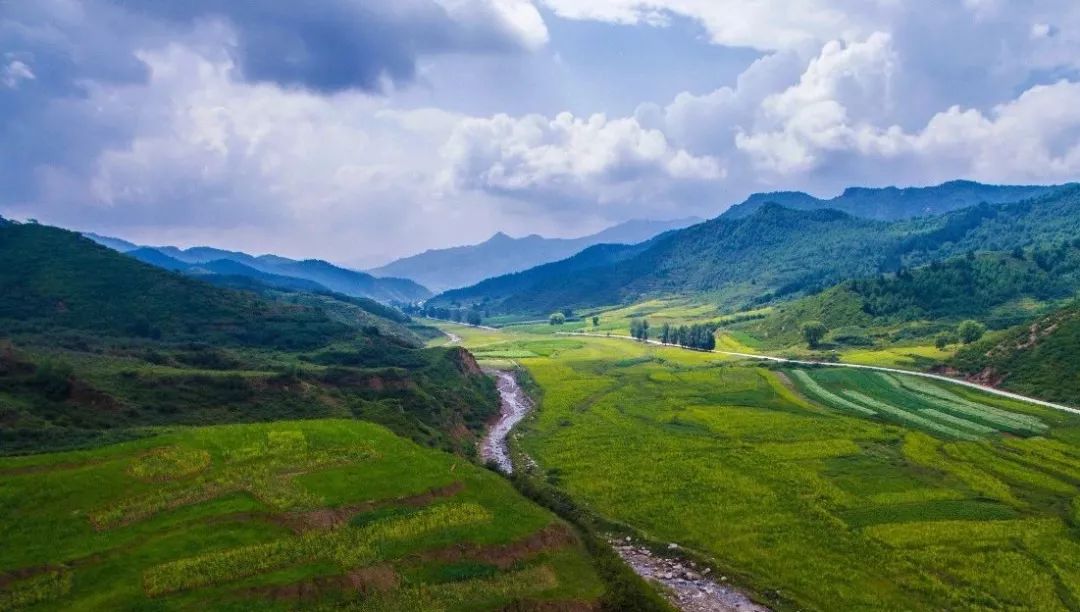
[(514, 406)]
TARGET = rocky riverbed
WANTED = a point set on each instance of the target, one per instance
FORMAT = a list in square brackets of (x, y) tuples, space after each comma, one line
[(686, 586), (514, 406)]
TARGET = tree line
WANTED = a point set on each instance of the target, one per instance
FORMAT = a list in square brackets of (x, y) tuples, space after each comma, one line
[(471, 316), (698, 336)]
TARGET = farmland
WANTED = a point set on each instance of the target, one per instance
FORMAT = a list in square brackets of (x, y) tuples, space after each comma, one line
[(812, 486), (274, 516)]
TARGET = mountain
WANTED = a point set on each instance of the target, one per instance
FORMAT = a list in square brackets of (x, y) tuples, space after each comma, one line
[(775, 252), (1037, 358), (273, 270), (893, 203), (444, 269), (210, 271), (999, 289)]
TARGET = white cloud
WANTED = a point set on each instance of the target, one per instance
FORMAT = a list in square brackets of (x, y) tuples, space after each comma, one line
[(572, 158), (15, 72)]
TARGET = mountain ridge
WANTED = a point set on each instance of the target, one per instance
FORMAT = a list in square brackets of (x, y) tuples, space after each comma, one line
[(895, 203), (775, 252), (308, 275), (454, 267)]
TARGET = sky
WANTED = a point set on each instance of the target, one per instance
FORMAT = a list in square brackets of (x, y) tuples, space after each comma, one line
[(363, 130)]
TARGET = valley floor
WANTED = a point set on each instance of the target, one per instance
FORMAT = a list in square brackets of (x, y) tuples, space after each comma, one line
[(813, 489)]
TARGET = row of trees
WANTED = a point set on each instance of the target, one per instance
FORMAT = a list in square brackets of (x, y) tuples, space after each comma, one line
[(693, 336), (471, 316), (699, 336)]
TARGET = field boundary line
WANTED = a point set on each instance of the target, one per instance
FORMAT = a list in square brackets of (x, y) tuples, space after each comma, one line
[(947, 379)]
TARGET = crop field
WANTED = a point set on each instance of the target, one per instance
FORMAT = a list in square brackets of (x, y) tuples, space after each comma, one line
[(802, 488), (329, 513)]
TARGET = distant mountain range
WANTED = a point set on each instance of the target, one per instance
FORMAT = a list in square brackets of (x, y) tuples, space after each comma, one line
[(443, 269), (775, 251), (895, 203), (271, 270)]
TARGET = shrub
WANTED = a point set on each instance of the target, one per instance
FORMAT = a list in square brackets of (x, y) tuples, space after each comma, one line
[(971, 331)]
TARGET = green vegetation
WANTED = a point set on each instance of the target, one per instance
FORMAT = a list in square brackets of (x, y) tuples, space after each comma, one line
[(780, 253), (946, 499), (970, 331), (1039, 358), (95, 346), (814, 332), (276, 516)]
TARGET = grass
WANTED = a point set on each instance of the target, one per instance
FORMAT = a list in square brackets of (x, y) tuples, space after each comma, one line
[(752, 469), (249, 516)]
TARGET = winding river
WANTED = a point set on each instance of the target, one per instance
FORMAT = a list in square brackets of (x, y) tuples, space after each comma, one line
[(514, 406)]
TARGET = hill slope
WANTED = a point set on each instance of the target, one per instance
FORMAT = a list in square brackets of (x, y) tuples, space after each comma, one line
[(1039, 358), (102, 345), (778, 252), (289, 515), (444, 269), (893, 203), (996, 288)]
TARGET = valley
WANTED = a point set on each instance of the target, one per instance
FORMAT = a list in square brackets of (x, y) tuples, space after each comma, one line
[(539, 306), (748, 439), (799, 488)]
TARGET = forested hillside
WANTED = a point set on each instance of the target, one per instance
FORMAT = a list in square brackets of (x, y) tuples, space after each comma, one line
[(998, 289), (95, 345), (1038, 358), (778, 252)]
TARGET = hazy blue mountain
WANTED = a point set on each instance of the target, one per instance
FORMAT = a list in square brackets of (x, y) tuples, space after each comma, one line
[(893, 203), (115, 244), (443, 269), (774, 252), (272, 270)]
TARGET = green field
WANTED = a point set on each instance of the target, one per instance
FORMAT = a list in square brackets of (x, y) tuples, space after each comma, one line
[(275, 516), (802, 500)]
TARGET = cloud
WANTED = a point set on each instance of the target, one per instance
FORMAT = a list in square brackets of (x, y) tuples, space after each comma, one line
[(767, 25), (572, 159), (304, 128), (335, 45)]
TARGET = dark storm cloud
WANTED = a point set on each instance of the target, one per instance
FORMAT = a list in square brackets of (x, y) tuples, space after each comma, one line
[(339, 44)]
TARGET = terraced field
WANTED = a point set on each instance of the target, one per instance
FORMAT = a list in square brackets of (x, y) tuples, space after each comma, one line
[(817, 487), (313, 513)]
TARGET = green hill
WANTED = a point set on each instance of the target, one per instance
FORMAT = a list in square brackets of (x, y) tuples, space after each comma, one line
[(95, 345), (1037, 358), (52, 278), (776, 252), (281, 516), (998, 289)]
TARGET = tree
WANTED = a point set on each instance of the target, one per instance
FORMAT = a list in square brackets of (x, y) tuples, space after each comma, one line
[(474, 317), (557, 319), (944, 339), (665, 333), (814, 332), (568, 313), (970, 331), (596, 321), (639, 328)]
